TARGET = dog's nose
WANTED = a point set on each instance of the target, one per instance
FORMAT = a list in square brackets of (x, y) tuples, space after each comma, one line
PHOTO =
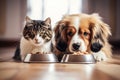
[(95, 47), (76, 46)]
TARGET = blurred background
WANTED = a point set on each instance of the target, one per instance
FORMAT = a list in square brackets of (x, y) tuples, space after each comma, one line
[(13, 12)]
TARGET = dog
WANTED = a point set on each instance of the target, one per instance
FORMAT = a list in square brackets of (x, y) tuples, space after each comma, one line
[(82, 33)]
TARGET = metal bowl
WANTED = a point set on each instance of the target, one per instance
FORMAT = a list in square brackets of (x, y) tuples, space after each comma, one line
[(70, 58), (41, 58)]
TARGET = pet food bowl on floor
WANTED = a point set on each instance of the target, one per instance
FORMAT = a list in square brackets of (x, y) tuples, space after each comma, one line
[(70, 58), (41, 58)]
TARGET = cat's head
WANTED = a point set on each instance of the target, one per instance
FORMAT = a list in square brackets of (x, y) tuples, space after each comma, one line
[(37, 32)]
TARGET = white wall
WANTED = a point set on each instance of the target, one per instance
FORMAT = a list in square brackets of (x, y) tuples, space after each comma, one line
[(13, 20), (15, 12)]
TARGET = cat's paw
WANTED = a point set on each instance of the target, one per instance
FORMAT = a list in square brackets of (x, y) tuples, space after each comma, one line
[(22, 57), (100, 56), (35, 51)]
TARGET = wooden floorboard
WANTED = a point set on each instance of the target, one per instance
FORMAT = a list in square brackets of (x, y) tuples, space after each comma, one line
[(11, 70)]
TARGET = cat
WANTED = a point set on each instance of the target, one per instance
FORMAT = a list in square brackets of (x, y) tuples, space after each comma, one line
[(37, 35)]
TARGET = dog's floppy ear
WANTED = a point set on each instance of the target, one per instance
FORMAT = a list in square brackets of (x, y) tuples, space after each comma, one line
[(60, 37), (100, 33)]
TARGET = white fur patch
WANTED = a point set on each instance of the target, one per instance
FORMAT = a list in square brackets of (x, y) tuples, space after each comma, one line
[(44, 49), (76, 38), (100, 56), (37, 41), (76, 23), (27, 47)]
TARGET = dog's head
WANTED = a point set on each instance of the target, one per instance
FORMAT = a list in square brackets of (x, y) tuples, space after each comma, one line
[(81, 32)]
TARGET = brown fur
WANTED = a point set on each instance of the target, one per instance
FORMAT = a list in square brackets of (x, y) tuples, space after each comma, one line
[(97, 31)]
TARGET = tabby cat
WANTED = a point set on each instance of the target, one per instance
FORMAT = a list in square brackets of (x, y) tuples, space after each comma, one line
[(37, 35)]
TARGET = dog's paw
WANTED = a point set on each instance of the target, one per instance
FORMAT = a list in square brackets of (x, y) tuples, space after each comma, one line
[(100, 56)]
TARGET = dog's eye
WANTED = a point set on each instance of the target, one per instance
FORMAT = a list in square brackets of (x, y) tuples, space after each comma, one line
[(70, 33), (85, 34)]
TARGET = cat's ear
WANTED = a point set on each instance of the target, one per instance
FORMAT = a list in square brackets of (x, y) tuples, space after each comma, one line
[(48, 20), (28, 20)]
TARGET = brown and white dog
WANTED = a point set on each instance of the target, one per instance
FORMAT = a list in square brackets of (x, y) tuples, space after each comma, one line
[(84, 33)]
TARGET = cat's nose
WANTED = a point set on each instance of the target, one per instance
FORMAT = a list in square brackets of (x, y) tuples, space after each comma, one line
[(36, 40)]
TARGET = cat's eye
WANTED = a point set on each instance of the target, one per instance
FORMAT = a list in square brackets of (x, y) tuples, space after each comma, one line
[(43, 36), (31, 35)]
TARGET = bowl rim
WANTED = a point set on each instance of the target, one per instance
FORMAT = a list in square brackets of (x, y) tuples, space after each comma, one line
[(82, 62), (27, 58)]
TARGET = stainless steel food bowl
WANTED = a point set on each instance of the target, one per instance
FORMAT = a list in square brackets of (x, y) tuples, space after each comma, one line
[(69, 58), (40, 58)]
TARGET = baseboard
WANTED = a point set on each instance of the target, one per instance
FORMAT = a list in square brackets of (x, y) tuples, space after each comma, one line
[(9, 43), (115, 44)]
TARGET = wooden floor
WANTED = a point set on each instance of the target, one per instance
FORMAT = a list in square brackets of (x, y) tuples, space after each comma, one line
[(11, 70)]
